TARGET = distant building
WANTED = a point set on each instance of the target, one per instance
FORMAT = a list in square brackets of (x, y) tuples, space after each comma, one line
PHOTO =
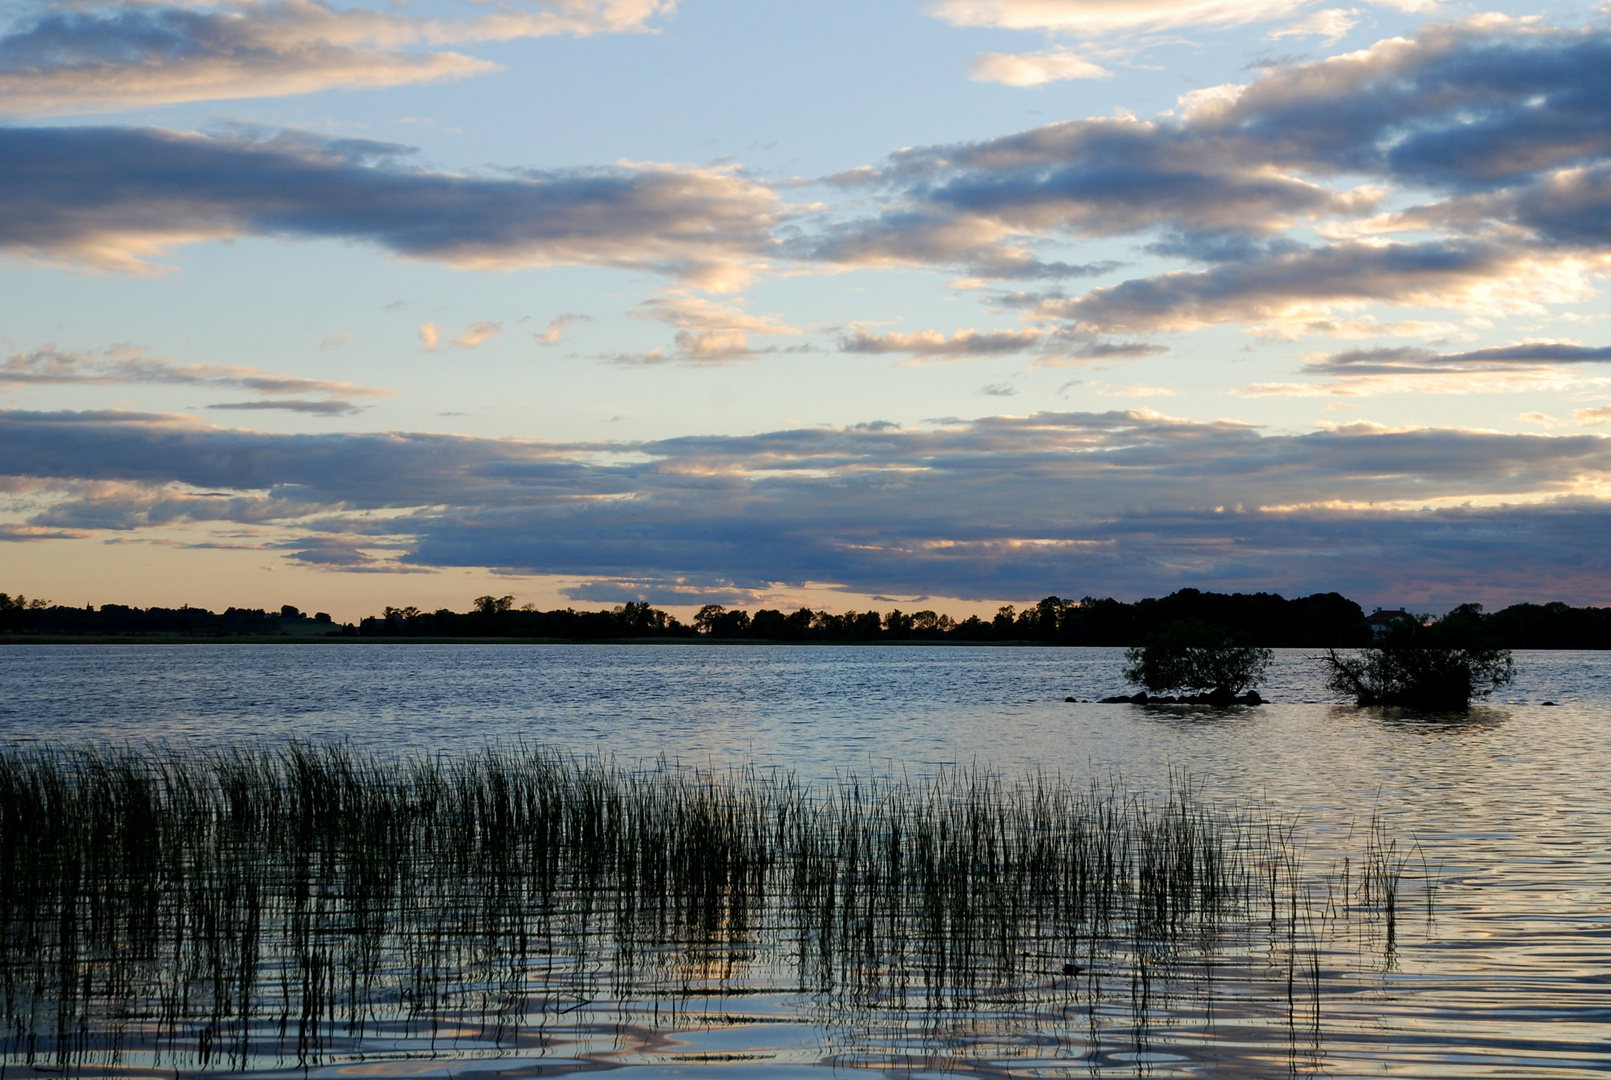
[(1379, 620)]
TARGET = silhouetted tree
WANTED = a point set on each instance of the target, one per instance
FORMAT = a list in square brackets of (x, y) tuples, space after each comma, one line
[(1193, 656), (1438, 666), (864, 626), (717, 621), (640, 619), (770, 624)]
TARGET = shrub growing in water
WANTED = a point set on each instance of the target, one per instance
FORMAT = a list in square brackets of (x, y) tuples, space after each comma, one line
[(1439, 666), (1193, 656)]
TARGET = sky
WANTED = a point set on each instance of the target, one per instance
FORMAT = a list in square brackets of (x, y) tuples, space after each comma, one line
[(938, 304)]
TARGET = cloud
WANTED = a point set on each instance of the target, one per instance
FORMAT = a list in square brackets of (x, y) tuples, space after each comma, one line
[(708, 331), (1138, 390), (125, 364), (983, 247), (1570, 206), (985, 206), (1090, 18), (1592, 417), (24, 534), (1332, 24), (931, 344), (1072, 346), (430, 336), (1000, 507), (1033, 69), (1485, 135), (1466, 105), (1220, 191), (1521, 217), (110, 198), (1299, 292), (478, 333), (348, 554), (312, 408), (689, 312), (696, 347), (1527, 367), (1406, 360), (555, 332), (119, 57), (130, 58)]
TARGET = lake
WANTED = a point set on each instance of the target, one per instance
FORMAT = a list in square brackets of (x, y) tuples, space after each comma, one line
[(1503, 816)]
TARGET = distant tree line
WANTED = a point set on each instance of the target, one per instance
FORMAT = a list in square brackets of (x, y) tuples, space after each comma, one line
[(496, 616), (1267, 620), (19, 615), (1546, 626), (1321, 620)]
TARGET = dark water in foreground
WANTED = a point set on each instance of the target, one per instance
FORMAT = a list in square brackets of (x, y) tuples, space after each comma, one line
[(1510, 808)]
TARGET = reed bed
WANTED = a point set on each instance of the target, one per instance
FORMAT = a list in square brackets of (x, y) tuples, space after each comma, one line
[(298, 902)]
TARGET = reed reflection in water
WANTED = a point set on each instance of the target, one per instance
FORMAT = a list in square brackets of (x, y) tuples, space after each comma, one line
[(312, 904)]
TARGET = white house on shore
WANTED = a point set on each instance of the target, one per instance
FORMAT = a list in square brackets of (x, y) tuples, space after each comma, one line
[(1380, 619)]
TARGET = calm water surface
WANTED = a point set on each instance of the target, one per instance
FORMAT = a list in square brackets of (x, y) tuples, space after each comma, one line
[(1510, 807)]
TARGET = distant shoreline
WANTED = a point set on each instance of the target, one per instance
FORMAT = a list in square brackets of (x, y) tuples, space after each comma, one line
[(349, 639), (1267, 620), (691, 642)]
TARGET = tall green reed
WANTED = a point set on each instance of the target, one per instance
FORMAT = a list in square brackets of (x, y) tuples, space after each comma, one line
[(269, 903)]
